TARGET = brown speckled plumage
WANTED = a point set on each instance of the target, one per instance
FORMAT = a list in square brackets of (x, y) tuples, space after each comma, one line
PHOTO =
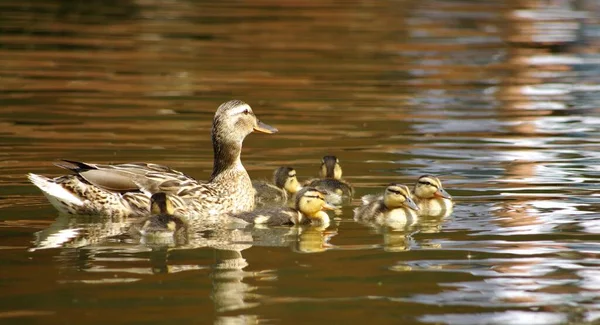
[(124, 190)]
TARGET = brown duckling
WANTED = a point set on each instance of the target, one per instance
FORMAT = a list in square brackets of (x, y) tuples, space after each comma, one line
[(285, 185), (162, 222), (330, 178)]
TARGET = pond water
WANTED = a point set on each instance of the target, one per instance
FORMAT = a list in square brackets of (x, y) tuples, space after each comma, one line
[(500, 99)]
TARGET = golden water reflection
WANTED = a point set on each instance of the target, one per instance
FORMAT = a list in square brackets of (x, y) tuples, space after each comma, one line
[(499, 99)]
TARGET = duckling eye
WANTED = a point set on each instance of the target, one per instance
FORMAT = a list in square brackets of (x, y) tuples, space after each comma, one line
[(425, 183), (246, 111)]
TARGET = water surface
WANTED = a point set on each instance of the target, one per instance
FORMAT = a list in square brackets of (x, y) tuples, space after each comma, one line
[(498, 98)]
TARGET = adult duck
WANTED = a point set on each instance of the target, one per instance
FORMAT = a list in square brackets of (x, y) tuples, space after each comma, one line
[(124, 190)]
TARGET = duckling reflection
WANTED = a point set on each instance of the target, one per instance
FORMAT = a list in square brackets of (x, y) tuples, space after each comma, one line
[(285, 185), (396, 239), (395, 208), (330, 178), (309, 208), (314, 239), (431, 197)]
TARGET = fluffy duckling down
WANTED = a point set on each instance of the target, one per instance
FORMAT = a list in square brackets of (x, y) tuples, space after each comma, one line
[(429, 194), (330, 178), (162, 222), (395, 207), (285, 186), (309, 208)]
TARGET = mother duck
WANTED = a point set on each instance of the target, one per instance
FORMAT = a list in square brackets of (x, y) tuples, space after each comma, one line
[(125, 189)]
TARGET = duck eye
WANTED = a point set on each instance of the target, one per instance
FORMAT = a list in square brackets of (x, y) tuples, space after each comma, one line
[(246, 111)]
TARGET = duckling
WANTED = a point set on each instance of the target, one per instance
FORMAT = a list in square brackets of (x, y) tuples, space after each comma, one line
[(308, 208), (431, 197), (285, 186), (395, 207), (331, 178), (162, 222), (124, 190)]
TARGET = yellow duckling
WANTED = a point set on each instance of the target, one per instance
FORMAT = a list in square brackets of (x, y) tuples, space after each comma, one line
[(124, 190), (330, 178), (285, 185), (395, 207), (309, 208), (431, 197)]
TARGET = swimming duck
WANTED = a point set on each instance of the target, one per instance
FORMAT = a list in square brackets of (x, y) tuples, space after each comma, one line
[(308, 208), (285, 185), (162, 222), (395, 207), (124, 190), (330, 178), (431, 197)]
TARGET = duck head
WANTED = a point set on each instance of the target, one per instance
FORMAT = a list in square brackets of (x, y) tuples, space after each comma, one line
[(398, 196), (161, 204), (233, 121), (162, 221), (285, 178), (311, 202), (330, 168), (428, 187)]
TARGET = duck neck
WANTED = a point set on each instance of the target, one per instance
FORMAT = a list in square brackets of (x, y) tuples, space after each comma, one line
[(226, 156)]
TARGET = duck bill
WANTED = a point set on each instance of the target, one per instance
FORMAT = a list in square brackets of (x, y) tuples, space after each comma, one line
[(411, 204), (328, 206), (443, 194), (264, 128)]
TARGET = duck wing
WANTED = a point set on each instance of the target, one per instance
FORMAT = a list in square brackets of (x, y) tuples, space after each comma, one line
[(130, 177)]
